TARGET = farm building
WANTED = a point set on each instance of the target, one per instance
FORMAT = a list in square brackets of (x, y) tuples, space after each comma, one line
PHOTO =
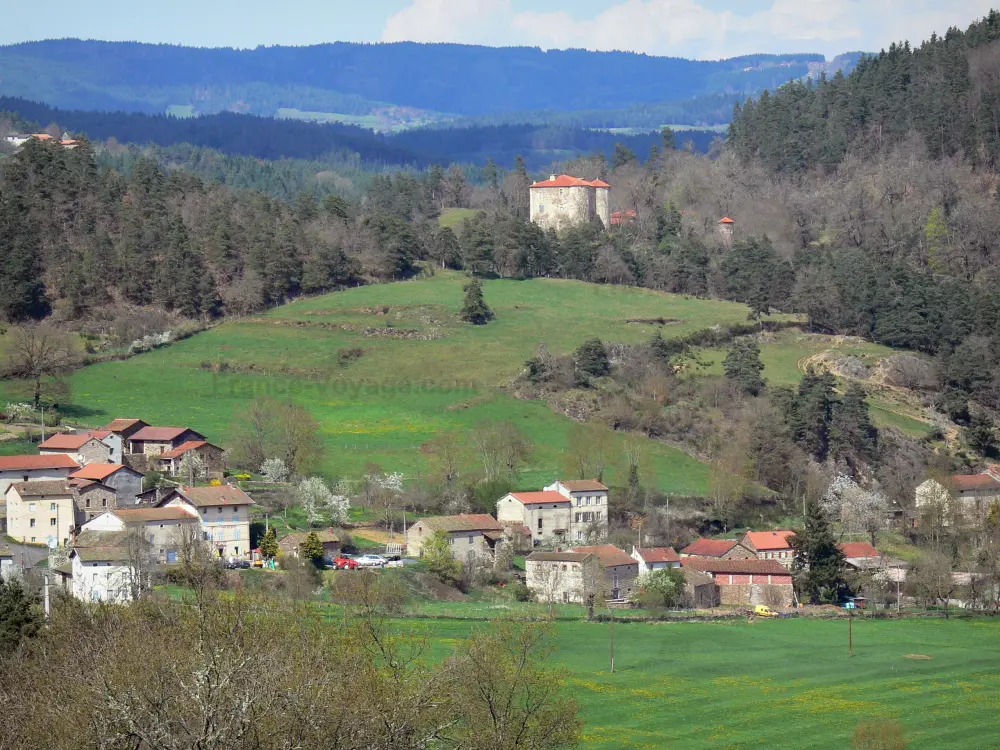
[(745, 582), (770, 545), (471, 534)]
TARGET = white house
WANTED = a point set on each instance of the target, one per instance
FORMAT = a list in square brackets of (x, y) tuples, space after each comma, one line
[(101, 571), (545, 514), (163, 528), (224, 513), (34, 469), (589, 512), (557, 576), (7, 567), (655, 558), (965, 497)]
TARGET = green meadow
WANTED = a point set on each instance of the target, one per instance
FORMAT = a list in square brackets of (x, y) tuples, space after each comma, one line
[(387, 368), (774, 684)]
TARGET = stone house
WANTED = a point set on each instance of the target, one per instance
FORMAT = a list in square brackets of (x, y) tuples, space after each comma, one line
[(620, 570), (92, 498), (163, 528), (562, 201), (224, 514), (292, 543), (964, 498), (700, 590), (41, 512), (729, 549), (589, 512), (95, 446), (746, 582), (211, 455), (473, 535), (34, 469), (655, 558), (125, 428), (153, 441), (558, 576), (545, 514), (771, 545), (126, 482)]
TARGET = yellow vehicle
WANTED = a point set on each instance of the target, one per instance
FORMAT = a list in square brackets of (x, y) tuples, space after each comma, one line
[(762, 610)]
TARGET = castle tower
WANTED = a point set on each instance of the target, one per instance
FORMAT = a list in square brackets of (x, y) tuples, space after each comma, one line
[(726, 228), (563, 201)]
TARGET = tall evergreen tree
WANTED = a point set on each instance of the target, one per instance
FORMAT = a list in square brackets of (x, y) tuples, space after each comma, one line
[(743, 366), (474, 307), (818, 567)]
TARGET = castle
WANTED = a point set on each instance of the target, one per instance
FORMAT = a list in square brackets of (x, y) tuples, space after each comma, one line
[(563, 201)]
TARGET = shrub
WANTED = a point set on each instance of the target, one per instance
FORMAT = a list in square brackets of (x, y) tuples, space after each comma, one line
[(519, 592)]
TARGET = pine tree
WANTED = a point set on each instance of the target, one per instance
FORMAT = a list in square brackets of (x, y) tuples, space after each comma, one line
[(623, 155), (819, 563), (474, 308), (659, 349), (592, 359), (312, 549), (852, 434), (20, 614), (22, 292), (269, 545), (743, 366)]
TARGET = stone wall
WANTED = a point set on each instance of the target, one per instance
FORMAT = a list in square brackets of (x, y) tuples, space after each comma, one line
[(560, 208), (742, 595), (602, 208)]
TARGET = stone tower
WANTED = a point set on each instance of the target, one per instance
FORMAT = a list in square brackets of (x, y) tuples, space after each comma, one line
[(726, 227), (563, 201)]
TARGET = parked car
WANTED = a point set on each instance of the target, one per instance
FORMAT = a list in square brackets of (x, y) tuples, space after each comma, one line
[(402, 562), (371, 561), (344, 562)]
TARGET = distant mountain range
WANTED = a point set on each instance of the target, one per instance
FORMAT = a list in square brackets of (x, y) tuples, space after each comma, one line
[(388, 86)]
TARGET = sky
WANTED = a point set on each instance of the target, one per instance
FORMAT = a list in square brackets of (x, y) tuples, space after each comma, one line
[(702, 29)]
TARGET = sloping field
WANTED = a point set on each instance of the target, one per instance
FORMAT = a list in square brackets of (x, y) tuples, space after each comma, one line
[(780, 684), (387, 368)]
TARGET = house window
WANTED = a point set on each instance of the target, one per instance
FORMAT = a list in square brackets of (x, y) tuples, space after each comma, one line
[(579, 535), (52, 522), (86, 503), (24, 478), (470, 540), (539, 524), (541, 208), (31, 507), (52, 506), (599, 514), (236, 534), (104, 502), (32, 538), (219, 509)]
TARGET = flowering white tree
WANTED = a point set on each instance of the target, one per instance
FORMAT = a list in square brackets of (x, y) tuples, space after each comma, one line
[(316, 500), (17, 412), (386, 490), (192, 468), (858, 510), (274, 470)]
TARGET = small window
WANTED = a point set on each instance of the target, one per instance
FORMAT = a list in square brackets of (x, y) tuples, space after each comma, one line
[(24, 478), (104, 502), (539, 524), (31, 524), (32, 538), (31, 507), (236, 534), (52, 522), (86, 503), (470, 538), (219, 509), (52, 506)]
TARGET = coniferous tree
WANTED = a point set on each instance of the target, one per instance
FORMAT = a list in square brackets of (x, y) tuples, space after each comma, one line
[(20, 614), (819, 563), (743, 366), (474, 307), (592, 359), (269, 545), (312, 549), (852, 434), (22, 291), (659, 349)]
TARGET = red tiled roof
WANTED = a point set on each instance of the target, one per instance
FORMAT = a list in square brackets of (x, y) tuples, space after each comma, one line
[(583, 485), (537, 498), (183, 448), (722, 565), (709, 547), (121, 424), (202, 496), (769, 540), (65, 441), (726, 220), (859, 549), (659, 554), (621, 217), (18, 463), (565, 180), (975, 482), (97, 472), (609, 554), (160, 433)]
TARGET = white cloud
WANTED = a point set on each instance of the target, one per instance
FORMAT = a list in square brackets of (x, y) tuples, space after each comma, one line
[(688, 28)]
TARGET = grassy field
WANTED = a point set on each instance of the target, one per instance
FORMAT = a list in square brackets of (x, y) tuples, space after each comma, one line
[(421, 371), (787, 354), (453, 217), (777, 684)]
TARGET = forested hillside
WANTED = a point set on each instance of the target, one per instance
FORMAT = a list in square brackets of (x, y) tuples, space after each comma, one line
[(448, 78)]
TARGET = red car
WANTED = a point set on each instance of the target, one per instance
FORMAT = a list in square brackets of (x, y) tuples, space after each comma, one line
[(345, 563)]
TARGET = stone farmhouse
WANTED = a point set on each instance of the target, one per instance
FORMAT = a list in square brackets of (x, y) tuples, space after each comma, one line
[(728, 549), (558, 576), (94, 446), (562, 201), (620, 570), (34, 469), (291, 544), (960, 497), (655, 558), (748, 581), (163, 528), (770, 545), (211, 455), (472, 535), (224, 514), (126, 482), (564, 512), (154, 441)]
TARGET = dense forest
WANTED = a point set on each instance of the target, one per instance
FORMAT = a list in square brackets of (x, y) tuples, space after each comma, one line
[(447, 78)]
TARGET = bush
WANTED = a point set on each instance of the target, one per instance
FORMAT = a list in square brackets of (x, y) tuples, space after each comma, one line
[(519, 592)]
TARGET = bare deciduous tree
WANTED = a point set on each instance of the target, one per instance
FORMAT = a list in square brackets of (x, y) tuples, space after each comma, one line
[(40, 351)]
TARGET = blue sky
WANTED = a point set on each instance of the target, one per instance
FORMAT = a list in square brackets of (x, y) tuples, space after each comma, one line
[(703, 29)]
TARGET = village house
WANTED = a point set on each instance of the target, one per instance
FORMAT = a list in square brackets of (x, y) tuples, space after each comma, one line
[(771, 545), (563, 201), (126, 482), (729, 549), (964, 498), (8, 569), (472, 535), (91, 498), (125, 428), (655, 558), (165, 529), (224, 514), (100, 569), (545, 514), (589, 512), (34, 469), (700, 589), (292, 543), (558, 576), (94, 446), (620, 570), (746, 582), (41, 512), (154, 441), (212, 456), (863, 557)]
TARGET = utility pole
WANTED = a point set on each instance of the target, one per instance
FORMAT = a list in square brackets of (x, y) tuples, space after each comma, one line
[(42, 408), (850, 631), (46, 589), (612, 613)]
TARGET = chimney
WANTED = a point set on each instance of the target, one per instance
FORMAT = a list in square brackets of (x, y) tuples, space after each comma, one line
[(558, 549), (552, 178)]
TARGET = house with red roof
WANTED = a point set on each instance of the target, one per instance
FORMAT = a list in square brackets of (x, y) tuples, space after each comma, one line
[(152, 441), (91, 446), (746, 582), (211, 455), (771, 545), (655, 558), (724, 548), (566, 511), (564, 201), (224, 513), (126, 427), (43, 468), (964, 498), (125, 481)]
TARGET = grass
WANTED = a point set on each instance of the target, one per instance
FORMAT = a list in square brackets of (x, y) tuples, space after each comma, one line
[(364, 121), (779, 684), (17, 448), (453, 217), (384, 406)]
